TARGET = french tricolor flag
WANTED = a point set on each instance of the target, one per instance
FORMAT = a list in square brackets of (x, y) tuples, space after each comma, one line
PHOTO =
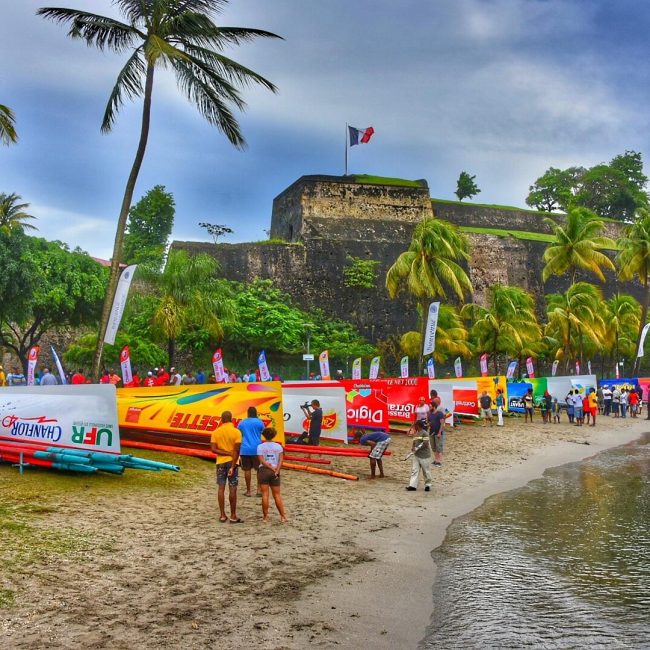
[(360, 136)]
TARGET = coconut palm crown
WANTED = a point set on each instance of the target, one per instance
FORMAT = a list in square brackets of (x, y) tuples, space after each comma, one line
[(12, 213)]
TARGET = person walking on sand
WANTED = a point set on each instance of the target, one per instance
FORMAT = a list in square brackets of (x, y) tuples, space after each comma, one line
[(623, 402), (528, 406), (420, 458), (555, 407), (270, 455), (577, 408), (593, 405), (251, 429), (225, 442), (378, 442), (486, 408), (436, 435), (616, 401), (500, 401)]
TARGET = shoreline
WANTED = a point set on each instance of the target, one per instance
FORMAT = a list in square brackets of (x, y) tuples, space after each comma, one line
[(399, 583), (145, 563)]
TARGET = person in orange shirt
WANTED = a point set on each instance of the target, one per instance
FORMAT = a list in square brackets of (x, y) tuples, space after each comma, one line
[(225, 442), (593, 405)]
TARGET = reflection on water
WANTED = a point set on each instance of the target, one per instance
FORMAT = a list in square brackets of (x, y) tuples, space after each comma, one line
[(561, 563)]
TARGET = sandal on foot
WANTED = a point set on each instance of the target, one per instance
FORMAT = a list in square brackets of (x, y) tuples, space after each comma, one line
[(236, 521)]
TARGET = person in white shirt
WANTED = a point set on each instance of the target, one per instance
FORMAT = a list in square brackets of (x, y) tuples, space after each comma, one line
[(270, 455)]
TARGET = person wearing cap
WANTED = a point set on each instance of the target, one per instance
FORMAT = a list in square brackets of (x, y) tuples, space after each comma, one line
[(175, 378), (150, 380), (3, 378), (162, 378)]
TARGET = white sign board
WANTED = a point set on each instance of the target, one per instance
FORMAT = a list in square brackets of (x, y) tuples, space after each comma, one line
[(75, 417)]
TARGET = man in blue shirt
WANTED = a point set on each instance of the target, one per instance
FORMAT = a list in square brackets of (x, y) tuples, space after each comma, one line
[(378, 442), (251, 429)]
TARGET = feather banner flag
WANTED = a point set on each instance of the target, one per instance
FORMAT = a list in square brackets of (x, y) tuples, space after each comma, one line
[(484, 364), (374, 368), (512, 368), (324, 361), (356, 368), (431, 370), (32, 360), (404, 367), (265, 375), (458, 367)]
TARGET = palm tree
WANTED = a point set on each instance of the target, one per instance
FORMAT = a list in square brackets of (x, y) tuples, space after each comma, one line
[(188, 297), (633, 260), (578, 245), (451, 337), (431, 267), (507, 326), (8, 133), (623, 315), (12, 213), (572, 317), (181, 35)]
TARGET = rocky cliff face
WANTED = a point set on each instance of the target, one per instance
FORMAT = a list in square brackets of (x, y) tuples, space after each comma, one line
[(323, 220)]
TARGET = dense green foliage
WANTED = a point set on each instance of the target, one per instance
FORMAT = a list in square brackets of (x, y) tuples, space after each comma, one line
[(51, 287), (615, 190), (466, 187), (360, 273), (150, 224)]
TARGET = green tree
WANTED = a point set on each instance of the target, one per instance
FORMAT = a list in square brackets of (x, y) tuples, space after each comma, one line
[(8, 133), (578, 245), (216, 230), (507, 326), (633, 260), (188, 296), (178, 34), (623, 316), (573, 317), (554, 189), (466, 188), (150, 224), (64, 289), (432, 267), (12, 213)]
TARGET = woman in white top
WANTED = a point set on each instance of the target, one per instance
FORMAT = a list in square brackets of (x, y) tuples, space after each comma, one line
[(270, 455)]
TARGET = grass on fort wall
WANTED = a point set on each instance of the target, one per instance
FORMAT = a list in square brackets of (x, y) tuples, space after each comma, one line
[(27, 538), (384, 180)]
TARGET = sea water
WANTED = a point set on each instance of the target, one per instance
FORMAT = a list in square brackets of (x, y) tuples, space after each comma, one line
[(561, 563)]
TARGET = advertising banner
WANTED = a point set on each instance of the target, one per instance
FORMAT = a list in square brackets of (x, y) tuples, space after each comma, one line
[(404, 367), (644, 333), (366, 404), (119, 302), (197, 409), (374, 368), (59, 367), (356, 368), (217, 366), (403, 396), (431, 369), (484, 364), (429, 344), (265, 375), (556, 363), (324, 361), (125, 365), (516, 392), (474, 387), (512, 369), (560, 386), (530, 367), (76, 417), (458, 367), (32, 360), (577, 366), (331, 395), (622, 382)]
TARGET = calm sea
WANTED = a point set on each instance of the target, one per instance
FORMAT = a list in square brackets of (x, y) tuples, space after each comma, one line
[(561, 563)]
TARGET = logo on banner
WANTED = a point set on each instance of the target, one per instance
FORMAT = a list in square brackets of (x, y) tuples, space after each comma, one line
[(556, 363), (430, 332), (217, 365), (530, 367), (32, 360), (125, 364), (374, 368), (265, 375), (431, 370), (39, 428), (324, 361), (512, 368), (458, 367), (484, 364), (356, 368), (119, 302), (404, 367)]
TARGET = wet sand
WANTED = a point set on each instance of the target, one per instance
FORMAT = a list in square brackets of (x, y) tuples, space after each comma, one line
[(352, 569)]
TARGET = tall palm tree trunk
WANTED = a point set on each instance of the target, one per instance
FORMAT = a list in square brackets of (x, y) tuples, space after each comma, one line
[(644, 318), (121, 222)]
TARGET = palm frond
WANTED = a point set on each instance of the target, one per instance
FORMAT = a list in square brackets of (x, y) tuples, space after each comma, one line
[(128, 85)]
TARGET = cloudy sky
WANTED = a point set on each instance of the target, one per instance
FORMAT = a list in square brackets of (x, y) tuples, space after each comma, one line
[(500, 88)]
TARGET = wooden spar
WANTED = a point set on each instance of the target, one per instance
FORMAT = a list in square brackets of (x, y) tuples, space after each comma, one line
[(318, 470), (298, 459), (184, 451)]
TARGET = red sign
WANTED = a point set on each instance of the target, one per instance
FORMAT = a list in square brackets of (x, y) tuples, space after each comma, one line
[(366, 403), (465, 401), (403, 397)]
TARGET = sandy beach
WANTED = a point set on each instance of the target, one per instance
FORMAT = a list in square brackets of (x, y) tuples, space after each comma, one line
[(146, 563)]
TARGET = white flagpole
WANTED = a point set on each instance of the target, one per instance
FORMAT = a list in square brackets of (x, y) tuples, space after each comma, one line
[(346, 148)]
